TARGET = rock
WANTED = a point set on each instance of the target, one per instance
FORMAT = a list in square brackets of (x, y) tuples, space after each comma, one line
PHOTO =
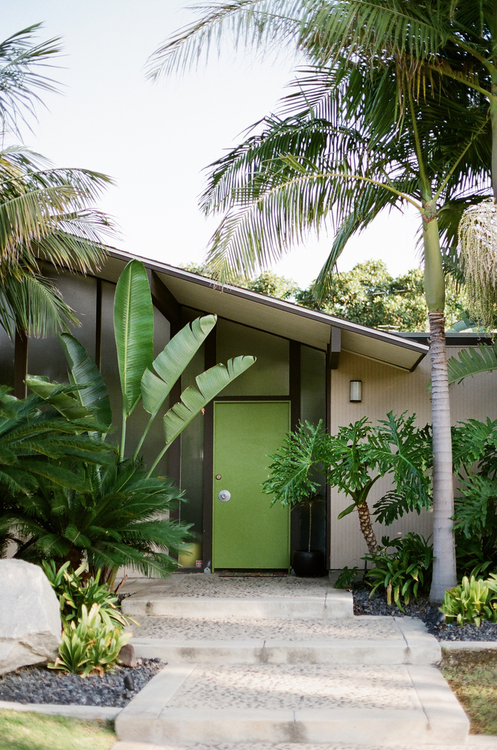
[(30, 626), (127, 656)]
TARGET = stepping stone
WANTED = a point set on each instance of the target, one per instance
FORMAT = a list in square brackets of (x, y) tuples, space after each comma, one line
[(295, 704), (329, 604), (359, 640)]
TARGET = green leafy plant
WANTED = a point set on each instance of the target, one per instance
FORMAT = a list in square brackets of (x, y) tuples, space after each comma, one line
[(405, 572), (41, 448), (76, 590), (295, 472), (90, 644), (120, 518), (121, 515), (475, 518), (347, 578), (471, 601), (353, 460)]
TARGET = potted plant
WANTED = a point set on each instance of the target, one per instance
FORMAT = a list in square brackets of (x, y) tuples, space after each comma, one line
[(295, 480), (309, 563)]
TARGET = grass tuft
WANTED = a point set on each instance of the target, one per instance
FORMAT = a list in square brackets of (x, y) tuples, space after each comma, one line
[(30, 731)]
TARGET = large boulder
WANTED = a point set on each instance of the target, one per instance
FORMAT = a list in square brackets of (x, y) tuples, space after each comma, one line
[(30, 626)]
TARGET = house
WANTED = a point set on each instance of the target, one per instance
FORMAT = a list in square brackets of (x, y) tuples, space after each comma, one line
[(307, 364)]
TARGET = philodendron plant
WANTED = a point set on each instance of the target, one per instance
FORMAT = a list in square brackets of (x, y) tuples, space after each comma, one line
[(352, 461), (144, 378)]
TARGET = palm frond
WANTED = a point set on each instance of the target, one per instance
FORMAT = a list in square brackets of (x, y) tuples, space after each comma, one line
[(263, 24), (471, 362), (22, 75)]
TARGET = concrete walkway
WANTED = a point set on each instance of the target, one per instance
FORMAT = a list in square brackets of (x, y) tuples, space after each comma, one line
[(282, 664)]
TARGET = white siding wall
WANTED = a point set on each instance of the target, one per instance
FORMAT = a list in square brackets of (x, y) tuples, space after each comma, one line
[(389, 389)]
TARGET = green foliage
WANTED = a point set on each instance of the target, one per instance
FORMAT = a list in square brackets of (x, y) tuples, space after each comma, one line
[(92, 626), (471, 601), (346, 578), (120, 517), (74, 590), (118, 514), (45, 212), (142, 378), (91, 644), (471, 362), (406, 571), (475, 519), (294, 472), (40, 450), (133, 331), (25, 730), (353, 460), (369, 295)]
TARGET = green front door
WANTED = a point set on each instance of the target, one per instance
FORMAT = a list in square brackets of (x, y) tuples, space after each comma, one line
[(247, 531)]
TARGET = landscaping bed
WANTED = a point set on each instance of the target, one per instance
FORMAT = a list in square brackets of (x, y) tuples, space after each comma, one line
[(364, 604), (38, 684)]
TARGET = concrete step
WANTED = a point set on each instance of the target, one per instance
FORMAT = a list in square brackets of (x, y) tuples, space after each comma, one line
[(356, 640), (475, 742), (328, 604), (302, 704)]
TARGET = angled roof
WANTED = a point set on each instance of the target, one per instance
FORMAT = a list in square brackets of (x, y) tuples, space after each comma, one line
[(276, 316)]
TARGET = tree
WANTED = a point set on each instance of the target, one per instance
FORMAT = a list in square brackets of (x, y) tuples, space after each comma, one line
[(379, 128), (352, 461), (266, 282), (369, 295), (45, 213)]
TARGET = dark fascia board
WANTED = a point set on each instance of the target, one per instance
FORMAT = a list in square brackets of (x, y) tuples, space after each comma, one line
[(453, 338), (392, 338)]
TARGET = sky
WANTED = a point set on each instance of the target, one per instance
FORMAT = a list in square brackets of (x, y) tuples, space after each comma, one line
[(156, 139)]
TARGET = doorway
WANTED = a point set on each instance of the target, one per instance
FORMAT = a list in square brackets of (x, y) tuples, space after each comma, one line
[(247, 532)]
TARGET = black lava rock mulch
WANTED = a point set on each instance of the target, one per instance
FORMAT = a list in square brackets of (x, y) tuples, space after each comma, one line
[(423, 610), (39, 684)]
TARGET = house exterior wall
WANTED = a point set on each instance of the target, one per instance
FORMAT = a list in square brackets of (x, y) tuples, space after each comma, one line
[(389, 389)]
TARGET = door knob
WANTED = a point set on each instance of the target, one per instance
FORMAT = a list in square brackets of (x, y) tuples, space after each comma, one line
[(224, 496)]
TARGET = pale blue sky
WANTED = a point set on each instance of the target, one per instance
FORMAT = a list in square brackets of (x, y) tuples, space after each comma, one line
[(155, 139)]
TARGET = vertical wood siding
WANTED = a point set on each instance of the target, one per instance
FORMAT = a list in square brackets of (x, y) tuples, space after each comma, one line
[(387, 389)]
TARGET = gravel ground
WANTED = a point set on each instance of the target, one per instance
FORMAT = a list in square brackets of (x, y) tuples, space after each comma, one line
[(423, 610), (42, 685)]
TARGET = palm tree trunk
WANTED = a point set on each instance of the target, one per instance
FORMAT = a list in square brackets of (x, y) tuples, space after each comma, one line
[(444, 566), (367, 526)]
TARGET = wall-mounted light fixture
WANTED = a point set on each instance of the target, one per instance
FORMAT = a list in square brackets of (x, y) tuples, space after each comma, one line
[(355, 391)]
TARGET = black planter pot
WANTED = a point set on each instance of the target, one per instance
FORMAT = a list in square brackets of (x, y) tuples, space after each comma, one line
[(308, 564)]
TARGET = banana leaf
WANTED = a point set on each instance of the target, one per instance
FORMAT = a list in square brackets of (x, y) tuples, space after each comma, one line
[(172, 361), (134, 331), (84, 371), (193, 400)]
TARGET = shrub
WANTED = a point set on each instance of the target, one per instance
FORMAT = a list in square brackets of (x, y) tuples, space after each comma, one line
[(405, 572), (92, 644), (346, 578), (74, 593), (473, 600)]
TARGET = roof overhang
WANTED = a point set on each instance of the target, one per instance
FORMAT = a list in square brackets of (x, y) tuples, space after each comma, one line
[(276, 316)]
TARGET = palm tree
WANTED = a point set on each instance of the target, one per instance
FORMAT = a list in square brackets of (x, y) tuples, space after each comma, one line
[(415, 140), (45, 213)]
